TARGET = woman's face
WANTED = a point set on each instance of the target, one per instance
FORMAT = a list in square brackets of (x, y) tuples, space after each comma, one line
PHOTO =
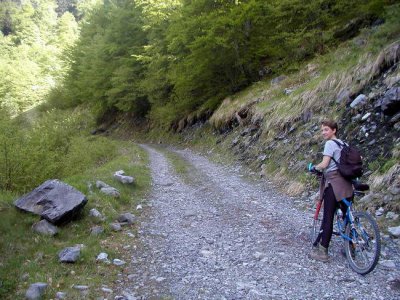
[(327, 132)]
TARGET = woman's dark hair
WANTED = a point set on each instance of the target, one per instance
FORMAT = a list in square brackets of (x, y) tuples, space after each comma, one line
[(331, 124)]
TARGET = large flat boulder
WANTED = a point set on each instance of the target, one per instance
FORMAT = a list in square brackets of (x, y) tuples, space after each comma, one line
[(55, 201)]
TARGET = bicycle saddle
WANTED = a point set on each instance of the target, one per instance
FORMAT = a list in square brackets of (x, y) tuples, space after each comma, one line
[(359, 186)]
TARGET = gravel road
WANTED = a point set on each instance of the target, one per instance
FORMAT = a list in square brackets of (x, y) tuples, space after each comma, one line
[(215, 234)]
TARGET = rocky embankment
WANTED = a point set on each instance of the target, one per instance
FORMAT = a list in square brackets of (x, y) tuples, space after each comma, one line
[(368, 113)]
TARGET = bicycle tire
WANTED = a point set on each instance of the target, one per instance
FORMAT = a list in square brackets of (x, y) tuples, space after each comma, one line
[(315, 231), (363, 251)]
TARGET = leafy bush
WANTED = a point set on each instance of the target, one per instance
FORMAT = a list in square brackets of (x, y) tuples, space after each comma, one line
[(55, 146), (87, 151)]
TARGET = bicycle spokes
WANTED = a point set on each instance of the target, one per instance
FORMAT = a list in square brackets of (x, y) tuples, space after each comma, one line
[(364, 248)]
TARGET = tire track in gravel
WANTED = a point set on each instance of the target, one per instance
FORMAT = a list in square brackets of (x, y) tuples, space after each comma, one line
[(216, 235)]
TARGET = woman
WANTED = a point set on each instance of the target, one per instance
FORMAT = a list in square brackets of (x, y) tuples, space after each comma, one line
[(333, 187)]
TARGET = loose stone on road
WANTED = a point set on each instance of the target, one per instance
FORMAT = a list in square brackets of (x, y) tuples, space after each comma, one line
[(216, 235)]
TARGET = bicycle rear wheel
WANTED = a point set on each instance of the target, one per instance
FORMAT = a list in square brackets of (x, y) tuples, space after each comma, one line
[(364, 250)]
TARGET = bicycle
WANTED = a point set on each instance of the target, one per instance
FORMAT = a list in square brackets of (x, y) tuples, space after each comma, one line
[(359, 231)]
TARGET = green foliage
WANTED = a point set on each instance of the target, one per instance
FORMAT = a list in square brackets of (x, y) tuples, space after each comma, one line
[(87, 151), (382, 165), (106, 70), (52, 147), (31, 46), (168, 59)]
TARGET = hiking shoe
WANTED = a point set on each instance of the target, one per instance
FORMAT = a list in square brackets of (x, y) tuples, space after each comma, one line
[(319, 253)]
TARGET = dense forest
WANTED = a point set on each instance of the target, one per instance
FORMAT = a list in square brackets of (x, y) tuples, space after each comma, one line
[(161, 60)]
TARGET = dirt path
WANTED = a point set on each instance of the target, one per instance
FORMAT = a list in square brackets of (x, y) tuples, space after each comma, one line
[(215, 235)]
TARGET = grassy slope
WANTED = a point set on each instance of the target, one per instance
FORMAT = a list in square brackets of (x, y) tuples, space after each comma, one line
[(316, 87), (23, 252), (319, 82)]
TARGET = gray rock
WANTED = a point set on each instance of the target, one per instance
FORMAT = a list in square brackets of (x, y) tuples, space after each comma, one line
[(235, 141), (387, 198), (366, 116), (115, 227), (119, 175), (118, 262), (54, 201), (36, 291), (83, 289), (103, 257), (379, 212), (360, 99), (126, 296), (107, 290), (343, 96), (126, 218), (245, 132), (262, 157), (373, 128), (110, 191), (390, 102), (395, 231), (96, 214), (392, 216), (278, 79), (61, 295), (356, 118), (100, 184), (258, 255), (25, 277), (367, 198), (96, 230), (69, 254), (395, 118), (394, 190), (45, 227), (288, 91)]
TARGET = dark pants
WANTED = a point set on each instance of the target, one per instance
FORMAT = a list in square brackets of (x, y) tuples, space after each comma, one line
[(330, 206)]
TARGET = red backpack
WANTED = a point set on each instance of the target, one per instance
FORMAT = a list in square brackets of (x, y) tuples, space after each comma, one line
[(350, 164)]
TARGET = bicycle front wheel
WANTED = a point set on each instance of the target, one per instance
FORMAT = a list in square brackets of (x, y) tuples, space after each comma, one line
[(364, 250), (314, 233)]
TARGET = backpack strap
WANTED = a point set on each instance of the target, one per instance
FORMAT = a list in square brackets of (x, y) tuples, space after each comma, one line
[(341, 147), (339, 144)]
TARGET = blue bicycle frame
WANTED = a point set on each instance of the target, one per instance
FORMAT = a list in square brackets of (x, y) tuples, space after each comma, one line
[(348, 219)]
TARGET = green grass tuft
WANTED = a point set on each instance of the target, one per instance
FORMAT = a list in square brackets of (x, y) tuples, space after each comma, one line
[(23, 252)]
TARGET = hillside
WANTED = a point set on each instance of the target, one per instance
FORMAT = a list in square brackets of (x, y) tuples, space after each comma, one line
[(273, 126), (86, 83)]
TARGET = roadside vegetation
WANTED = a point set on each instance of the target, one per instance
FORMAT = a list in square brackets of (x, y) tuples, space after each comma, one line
[(59, 146)]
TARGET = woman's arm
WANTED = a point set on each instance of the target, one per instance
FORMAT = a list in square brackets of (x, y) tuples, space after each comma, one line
[(324, 163)]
